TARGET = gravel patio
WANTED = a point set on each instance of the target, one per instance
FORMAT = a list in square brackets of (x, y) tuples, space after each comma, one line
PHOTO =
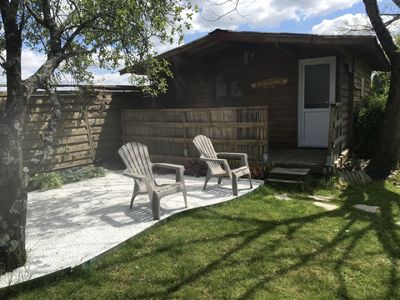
[(73, 224)]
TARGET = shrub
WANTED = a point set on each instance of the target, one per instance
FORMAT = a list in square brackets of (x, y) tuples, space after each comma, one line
[(46, 181), (52, 180), (370, 116), (74, 175), (258, 171), (195, 168)]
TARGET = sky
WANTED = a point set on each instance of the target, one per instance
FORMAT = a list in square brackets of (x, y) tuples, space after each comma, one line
[(295, 16)]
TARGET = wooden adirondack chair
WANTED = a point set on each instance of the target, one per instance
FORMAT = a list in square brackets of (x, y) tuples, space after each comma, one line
[(139, 167), (214, 163)]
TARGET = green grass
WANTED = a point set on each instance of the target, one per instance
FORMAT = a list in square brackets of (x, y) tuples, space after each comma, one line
[(254, 247)]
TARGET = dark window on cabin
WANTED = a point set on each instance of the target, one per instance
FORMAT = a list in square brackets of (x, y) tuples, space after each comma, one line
[(220, 86), (316, 86), (227, 86)]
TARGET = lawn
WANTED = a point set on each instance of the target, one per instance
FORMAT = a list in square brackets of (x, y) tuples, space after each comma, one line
[(254, 247)]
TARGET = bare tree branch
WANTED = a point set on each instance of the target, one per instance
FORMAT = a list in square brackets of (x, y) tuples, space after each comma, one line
[(230, 11), (380, 29), (391, 21)]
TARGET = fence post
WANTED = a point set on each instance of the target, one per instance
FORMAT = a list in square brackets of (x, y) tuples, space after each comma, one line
[(88, 129), (185, 145)]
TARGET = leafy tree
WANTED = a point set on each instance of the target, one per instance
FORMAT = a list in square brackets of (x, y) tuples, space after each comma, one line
[(73, 34)]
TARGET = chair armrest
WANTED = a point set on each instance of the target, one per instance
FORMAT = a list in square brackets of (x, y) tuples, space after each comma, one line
[(216, 160), (134, 176), (232, 155), (178, 170), (168, 166), (220, 161)]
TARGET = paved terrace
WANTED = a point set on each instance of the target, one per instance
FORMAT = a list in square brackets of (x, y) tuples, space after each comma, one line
[(73, 224)]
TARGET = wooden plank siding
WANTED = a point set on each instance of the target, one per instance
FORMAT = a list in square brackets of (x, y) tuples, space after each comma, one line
[(344, 120), (362, 81), (89, 129), (353, 84), (242, 130), (242, 64)]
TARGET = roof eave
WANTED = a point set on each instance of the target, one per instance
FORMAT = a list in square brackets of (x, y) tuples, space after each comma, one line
[(257, 37)]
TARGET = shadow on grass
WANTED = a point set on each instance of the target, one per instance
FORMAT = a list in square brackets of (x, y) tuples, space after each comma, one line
[(253, 229), (383, 225)]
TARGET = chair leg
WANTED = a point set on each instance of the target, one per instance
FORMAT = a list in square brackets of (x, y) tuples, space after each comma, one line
[(134, 194), (155, 206), (219, 180), (208, 177), (234, 185), (183, 188), (132, 199), (251, 184), (185, 197)]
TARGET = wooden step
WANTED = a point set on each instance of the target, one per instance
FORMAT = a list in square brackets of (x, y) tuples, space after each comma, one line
[(284, 180), (316, 169), (288, 175), (290, 171)]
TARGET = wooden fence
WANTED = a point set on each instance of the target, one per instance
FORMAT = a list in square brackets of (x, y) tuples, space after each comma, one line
[(88, 131), (169, 132)]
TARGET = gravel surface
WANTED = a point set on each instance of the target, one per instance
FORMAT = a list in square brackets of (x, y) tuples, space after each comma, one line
[(75, 223)]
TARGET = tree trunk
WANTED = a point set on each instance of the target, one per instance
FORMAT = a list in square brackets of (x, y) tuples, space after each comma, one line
[(13, 196), (386, 156)]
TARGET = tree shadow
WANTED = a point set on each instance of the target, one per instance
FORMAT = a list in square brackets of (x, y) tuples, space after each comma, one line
[(382, 225), (253, 229)]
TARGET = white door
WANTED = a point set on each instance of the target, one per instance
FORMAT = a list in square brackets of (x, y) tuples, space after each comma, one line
[(317, 84)]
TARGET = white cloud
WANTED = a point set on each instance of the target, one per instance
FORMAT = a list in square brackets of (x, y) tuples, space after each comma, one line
[(350, 24), (111, 79), (31, 61), (260, 13), (255, 14), (163, 47)]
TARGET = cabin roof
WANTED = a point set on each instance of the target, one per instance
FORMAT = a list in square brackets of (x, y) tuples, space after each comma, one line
[(365, 46)]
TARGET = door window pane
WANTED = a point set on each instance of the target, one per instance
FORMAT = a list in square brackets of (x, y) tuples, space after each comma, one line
[(316, 86)]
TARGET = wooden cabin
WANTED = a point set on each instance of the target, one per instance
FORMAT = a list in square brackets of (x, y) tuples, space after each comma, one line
[(311, 85)]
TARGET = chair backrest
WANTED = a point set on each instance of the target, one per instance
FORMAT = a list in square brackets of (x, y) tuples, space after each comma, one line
[(204, 145), (137, 159)]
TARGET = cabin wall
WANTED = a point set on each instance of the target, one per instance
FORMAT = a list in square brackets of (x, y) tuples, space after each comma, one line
[(353, 84), (242, 75), (345, 97), (362, 81)]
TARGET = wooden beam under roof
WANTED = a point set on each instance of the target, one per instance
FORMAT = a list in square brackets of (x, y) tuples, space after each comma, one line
[(367, 46)]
